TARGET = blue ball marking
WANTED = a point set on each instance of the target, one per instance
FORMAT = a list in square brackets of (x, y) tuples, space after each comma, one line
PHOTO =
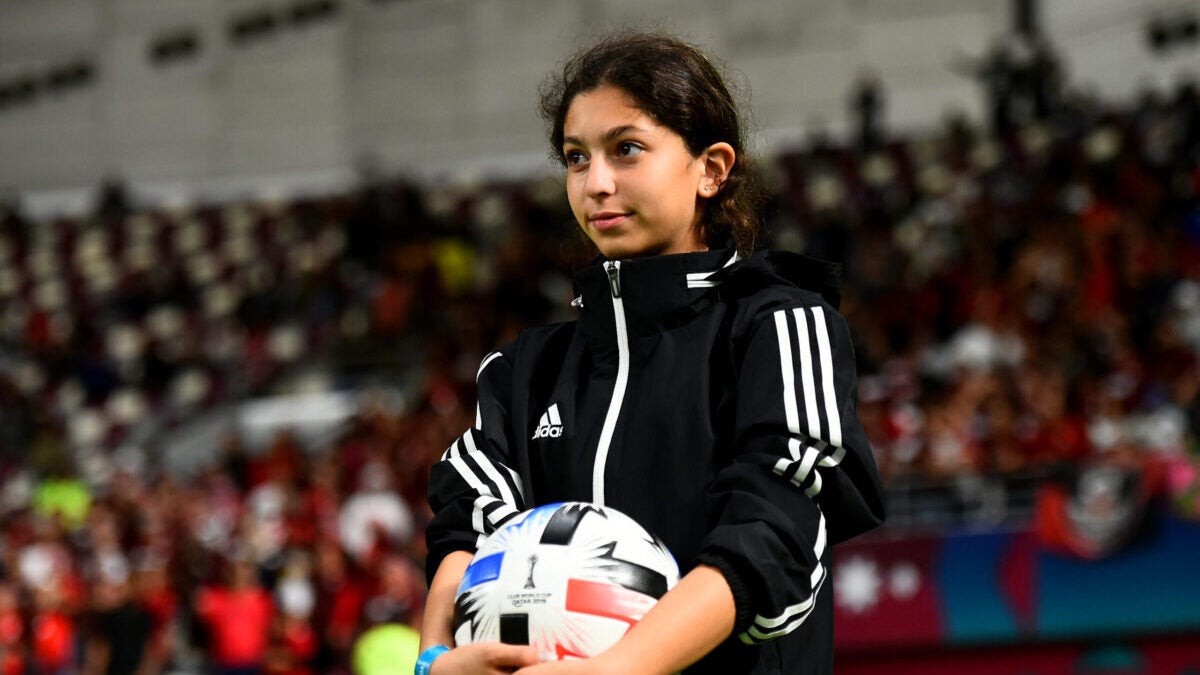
[(481, 571)]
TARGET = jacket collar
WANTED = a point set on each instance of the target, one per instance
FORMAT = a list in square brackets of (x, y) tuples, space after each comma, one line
[(664, 291), (654, 291)]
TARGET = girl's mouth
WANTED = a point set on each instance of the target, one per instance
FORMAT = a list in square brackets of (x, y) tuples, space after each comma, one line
[(607, 220)]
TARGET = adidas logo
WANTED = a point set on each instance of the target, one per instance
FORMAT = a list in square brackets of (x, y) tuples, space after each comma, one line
[(550, 425)]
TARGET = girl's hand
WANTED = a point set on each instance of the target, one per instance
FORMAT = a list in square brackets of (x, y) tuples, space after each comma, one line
[(484, 658)]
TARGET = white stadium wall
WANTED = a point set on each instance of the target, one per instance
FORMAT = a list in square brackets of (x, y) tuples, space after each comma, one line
[(447, 88)]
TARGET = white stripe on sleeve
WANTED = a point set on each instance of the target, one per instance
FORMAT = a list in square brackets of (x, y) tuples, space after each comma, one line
[(494, 510), (831, 403), (451, 451), (788, 372), (810, 458), (484, 364), (489, 468), (517, 483), (782, 466), (468, 475), (830, 461), (464, 451), (766, 628), (469, 441), (814, 489), (806, 375), (477, 514)]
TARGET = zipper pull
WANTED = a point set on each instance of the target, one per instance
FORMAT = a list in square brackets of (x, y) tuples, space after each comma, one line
[(614, 280)]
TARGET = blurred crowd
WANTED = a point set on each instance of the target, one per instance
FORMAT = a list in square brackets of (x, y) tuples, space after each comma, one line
[(1021, 300), (274, 562), (1024, 298), (122, 329)]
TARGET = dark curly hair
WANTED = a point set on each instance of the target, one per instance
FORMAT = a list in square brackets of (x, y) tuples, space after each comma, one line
[(679, 88)]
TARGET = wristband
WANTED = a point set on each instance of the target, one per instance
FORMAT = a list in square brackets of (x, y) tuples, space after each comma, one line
[(427, 657)]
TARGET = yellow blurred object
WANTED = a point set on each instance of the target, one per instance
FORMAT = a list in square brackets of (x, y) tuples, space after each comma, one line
[(69, 499), (455, 260), (387, 649)]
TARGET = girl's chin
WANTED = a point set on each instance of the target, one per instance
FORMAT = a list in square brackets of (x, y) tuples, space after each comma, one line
[(616, 247), (624, 252)]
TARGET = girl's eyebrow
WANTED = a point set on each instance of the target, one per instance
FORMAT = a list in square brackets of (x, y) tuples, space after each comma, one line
[(606, 138)]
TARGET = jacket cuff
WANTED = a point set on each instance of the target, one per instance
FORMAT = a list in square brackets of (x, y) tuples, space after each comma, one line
[(741, 592)]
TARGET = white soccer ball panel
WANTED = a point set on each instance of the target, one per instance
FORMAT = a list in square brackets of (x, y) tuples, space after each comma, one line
[(569, 579)]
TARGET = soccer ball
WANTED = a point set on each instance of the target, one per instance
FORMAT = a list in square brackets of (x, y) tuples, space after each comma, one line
[(568, 578)]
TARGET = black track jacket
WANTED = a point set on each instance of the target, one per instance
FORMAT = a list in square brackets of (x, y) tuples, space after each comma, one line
[(712, 399)]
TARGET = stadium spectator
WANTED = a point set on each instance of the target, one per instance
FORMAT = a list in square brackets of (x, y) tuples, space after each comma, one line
[(119, 630), (237, 616)]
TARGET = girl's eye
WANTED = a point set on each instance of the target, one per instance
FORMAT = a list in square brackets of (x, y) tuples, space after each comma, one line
[(628, 149), (574, 157)]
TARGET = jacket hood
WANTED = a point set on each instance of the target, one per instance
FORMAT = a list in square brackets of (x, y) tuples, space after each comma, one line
[(769, 268)]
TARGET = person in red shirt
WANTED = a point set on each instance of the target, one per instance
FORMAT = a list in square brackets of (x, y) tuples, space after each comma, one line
[(238, 618), (53, 634)]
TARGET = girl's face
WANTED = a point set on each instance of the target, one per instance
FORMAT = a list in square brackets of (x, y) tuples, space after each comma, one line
[(634, 187)]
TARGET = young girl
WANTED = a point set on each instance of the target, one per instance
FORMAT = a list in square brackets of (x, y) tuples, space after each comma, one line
[(705, 390)]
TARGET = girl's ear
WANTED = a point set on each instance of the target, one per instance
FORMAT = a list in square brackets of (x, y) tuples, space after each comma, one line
[(718, 160)]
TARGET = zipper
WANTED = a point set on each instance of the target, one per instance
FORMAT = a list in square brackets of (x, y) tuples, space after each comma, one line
[(614, 278), (613, 269)]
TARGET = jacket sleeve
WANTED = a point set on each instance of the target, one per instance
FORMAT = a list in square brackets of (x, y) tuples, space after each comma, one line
[(802, 476), (473, 490)]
